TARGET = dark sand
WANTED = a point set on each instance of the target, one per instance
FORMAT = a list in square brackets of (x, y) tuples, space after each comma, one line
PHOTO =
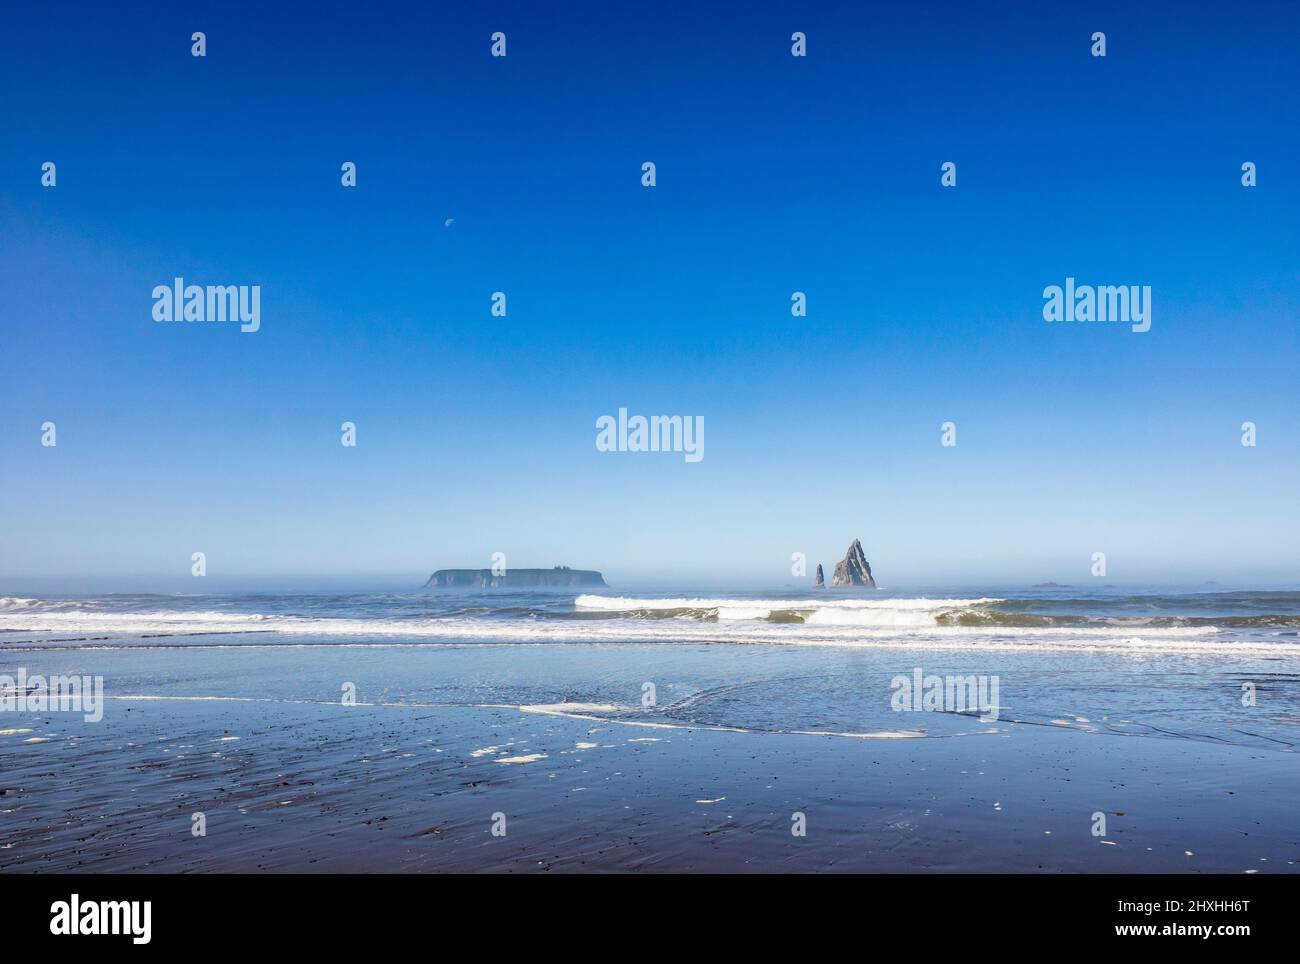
[(322, 787)]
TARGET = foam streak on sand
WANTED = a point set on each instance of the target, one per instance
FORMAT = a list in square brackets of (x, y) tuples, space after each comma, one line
[(587, 711), (574, 711)]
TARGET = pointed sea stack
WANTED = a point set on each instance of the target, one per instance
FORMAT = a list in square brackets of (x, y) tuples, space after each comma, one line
[(853, 569), (821, 577)]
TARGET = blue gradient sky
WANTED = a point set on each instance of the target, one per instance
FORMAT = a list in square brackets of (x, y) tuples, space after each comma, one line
[(821, 174)]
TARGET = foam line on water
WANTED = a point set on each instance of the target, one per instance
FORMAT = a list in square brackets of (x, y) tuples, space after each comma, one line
[(634, 603)]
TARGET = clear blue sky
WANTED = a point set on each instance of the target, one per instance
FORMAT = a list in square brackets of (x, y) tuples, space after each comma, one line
[(775, 174)]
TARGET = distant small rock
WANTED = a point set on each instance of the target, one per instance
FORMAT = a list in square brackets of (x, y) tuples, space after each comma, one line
[(821, 577)]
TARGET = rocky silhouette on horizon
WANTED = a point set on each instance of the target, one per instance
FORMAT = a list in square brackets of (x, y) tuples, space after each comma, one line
[(821, 577), (559, 577), (853, 569)]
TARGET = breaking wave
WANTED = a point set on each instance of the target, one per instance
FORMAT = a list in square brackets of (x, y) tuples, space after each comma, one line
[(1186, 624), (897, 613)]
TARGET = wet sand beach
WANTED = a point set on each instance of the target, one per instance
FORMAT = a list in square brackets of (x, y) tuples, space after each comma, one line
[(320, 787)]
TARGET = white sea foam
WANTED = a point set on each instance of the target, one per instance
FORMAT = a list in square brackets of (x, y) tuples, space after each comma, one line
[(633, 603), (882, 623), (887, 612), (866, 624), (80, 619), (898, 618), (559, 709)]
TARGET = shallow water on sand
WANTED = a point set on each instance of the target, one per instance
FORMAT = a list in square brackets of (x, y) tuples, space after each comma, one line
[(1174, 665)]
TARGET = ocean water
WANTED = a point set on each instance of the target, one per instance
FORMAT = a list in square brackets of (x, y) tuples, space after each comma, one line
[(1220, 665), (1062, 617)]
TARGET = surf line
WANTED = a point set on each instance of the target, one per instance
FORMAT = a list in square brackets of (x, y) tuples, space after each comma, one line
[(556, 709)]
